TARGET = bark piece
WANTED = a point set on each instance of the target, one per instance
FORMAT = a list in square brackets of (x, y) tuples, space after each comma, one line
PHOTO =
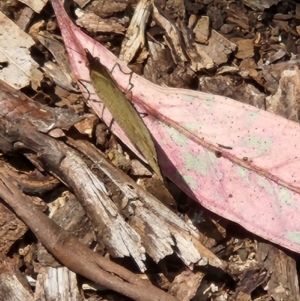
[(248, 68), (87, 125), (283, 284), (200, 58), (242, 92), (272, 73), (19, 67), (201, 30), (32, 183), (285, 102), (60, 71), (37, 6), (185, 285), (260, 5), (158, 73), (245, 48), (135, 35), (13, 285), (11, 229), (93, 23), (57, 284), (105, 9), (25, 18), (14, 104), (138, 169), (218, 48), (173, 38)]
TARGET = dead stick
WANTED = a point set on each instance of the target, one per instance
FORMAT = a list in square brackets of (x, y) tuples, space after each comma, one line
[(70, 252)]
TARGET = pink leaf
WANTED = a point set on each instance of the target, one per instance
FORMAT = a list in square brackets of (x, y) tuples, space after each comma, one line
[(236, 160)]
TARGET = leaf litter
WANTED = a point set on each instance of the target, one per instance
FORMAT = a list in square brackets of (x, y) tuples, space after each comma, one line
[(236, 160)]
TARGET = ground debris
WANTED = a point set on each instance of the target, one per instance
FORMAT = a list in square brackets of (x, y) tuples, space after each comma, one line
[(114, 223)]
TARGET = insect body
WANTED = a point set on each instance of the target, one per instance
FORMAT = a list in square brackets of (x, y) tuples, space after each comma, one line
[(123, 111)]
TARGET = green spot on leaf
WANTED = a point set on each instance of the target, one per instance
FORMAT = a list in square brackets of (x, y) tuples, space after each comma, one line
[(284, 197), (191, 126), (210, 103), (191, 181), (262, 145), (196, 163), (265, 184), (243, 173), (252, 116), (177, 137), (293, 236)]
